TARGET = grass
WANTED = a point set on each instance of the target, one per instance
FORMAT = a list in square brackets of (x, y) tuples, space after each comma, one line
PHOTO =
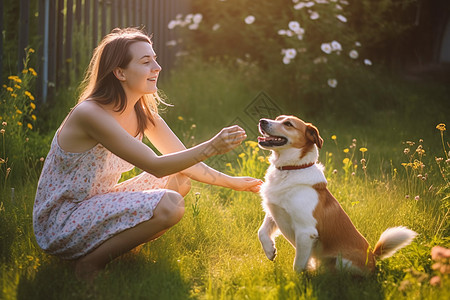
[(214, 252)]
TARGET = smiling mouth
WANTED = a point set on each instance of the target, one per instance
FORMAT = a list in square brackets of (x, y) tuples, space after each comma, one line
[(267, 140), (152, 79)]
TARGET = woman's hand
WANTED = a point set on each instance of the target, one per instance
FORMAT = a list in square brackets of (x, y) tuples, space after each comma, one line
[(226, 140), (248, 184)]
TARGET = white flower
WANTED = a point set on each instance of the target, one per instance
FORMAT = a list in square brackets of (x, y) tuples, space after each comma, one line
[(342, 18), (249, 20), (338, 7), (367, 62), (309, 4), (299, 6), (326, 48), (353, 54), (332, 82), (345, 2), (294, 26), (171, 43), (289, 33), (216, 27), (314, 15), (172, 24), (193, 26), (290, 53), (282, 32), (197, 18), (295, 1), (322, 1), (357, 44), (336, 46), (189, 17), (286, 60)]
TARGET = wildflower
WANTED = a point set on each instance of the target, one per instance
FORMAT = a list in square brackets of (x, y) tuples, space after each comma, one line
[(19, 112), (31, 50), (32, 71), (41, 159), (228, 165), (346, 150), (4, 123), (242, 155), (9, 89), (357, 44), (261, 158), (439, 159), (17, 86), (326, 47), (294, 26), (406, 151), (363, 149), (30, 126), (333, 137), (363, 161), (441, 127), (342, 18), (417, 198), (33, 106), (407, 196), (314, 15), (335, 171), (332, 82), (336, 46), (197, 18), (24, 71), (14, 95), (180, 118), (290, 53), (2, 131), (249, 20), (346, 160), (353, 54), (367, 62), (29, 95), (5, 86), (19, 123), (216, 27)]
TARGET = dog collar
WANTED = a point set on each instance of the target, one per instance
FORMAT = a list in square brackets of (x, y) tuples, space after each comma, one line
[(304, 166)]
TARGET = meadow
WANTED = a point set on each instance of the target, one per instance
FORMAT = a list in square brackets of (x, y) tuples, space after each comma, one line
[(386, 166)]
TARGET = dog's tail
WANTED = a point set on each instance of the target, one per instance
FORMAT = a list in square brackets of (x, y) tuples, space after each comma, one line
[(392, 240)]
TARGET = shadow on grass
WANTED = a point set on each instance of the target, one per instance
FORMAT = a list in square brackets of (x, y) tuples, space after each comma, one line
[(135, 278)]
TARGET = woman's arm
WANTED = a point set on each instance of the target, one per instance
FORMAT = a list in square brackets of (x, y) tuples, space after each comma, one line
[(165, 140), (103, 128)]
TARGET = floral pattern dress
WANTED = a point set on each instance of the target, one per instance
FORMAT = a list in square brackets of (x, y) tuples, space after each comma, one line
[(79, 204)]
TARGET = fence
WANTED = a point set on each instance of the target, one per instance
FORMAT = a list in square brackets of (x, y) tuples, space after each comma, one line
[(68, 25)]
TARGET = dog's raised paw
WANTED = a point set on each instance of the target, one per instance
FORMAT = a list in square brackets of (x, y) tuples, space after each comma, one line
[(271, 253)]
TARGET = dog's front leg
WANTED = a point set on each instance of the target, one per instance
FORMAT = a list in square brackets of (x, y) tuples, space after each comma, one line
[(266, 235), (304, 242)]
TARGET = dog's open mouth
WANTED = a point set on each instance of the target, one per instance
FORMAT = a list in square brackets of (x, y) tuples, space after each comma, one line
[(268, 140)]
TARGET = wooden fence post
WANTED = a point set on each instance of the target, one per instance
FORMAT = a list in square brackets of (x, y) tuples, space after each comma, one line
[(69, 34)]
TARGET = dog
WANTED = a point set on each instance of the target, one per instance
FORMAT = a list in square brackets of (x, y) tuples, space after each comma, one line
[(298, 204)]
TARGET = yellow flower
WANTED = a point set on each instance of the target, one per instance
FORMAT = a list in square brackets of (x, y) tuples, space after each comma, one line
[(441, 127), (242, 155), (12, 77), (31, 50), (24, 71), (19, 123), (32, 71), (9, 89), (333, 137), (30, 126), (228, 165), (33, 117), (346, 160), (17, 86), (19, 112), (261, 158), (33, 106), (27, 93), (330, 154), (363, 149), (180, 118), (346, 150), (252, 144), (14, 95), (18, 80)]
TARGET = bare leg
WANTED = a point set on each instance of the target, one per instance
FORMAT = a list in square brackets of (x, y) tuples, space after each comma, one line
[(179, 183), (168, 212), (266, 236)]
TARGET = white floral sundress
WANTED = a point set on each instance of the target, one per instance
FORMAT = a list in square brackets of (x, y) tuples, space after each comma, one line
[(79, 204)]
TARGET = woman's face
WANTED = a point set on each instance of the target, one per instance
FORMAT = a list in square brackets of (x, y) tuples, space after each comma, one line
[(141, 74)]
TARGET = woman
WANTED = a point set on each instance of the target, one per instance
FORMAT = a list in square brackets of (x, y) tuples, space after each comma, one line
[(80, 212)]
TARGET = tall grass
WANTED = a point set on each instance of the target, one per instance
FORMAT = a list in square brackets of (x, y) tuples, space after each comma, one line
[(214, 252)]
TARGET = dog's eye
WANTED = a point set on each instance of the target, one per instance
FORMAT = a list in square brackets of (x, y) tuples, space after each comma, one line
[(288, 124)]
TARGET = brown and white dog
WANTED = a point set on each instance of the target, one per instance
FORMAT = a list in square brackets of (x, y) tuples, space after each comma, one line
[(297, 203)]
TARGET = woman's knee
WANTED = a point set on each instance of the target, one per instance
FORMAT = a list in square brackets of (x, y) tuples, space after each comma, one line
[(179, 183), (170, 208)]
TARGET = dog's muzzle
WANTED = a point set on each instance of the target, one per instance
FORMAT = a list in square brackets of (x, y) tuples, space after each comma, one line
[(267, 139)]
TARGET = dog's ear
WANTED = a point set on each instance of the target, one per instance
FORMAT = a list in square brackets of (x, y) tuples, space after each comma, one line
[(312, 133)]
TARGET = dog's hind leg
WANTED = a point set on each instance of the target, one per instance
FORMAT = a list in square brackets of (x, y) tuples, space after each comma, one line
[(266, 234), (304, 242)]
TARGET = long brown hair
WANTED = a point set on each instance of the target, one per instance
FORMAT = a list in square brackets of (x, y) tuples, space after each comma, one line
[(101, 85)]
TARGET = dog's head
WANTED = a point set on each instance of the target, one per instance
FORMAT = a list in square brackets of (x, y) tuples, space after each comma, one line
[(287, 132)]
